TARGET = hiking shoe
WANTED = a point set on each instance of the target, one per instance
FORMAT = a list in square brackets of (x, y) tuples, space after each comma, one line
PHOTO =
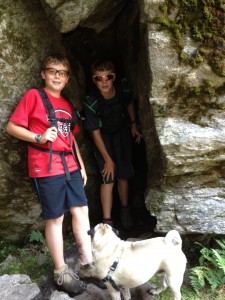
[(126, 219), (69, 281)]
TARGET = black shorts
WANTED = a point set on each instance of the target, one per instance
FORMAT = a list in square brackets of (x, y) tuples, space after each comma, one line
[(57, 194), (118, 146)]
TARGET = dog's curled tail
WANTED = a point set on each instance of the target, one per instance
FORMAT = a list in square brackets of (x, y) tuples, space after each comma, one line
[(173, 238)]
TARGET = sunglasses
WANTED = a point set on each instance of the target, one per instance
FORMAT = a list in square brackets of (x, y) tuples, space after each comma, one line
[(103, 77), (53, 72)]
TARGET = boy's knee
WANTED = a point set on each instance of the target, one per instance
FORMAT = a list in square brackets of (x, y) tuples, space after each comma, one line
[(108, 180)]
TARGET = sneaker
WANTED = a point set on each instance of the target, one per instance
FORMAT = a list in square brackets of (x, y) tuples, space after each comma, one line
[(69, 281), (126, 219)]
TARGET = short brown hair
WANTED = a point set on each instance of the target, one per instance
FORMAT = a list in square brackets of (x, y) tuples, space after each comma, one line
[(102, 65), (56, 58)]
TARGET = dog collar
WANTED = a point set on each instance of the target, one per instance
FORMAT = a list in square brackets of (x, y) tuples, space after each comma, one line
[(112, 269), (109, 279)]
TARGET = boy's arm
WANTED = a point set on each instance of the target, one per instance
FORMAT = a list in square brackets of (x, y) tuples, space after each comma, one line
[(83, 171), (20, 132), (25, 134), (109, 166), (134, 128)]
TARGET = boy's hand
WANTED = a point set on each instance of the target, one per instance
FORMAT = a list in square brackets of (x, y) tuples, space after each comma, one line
[(136, 133), (108, 170), (84, 176), (49, 135)]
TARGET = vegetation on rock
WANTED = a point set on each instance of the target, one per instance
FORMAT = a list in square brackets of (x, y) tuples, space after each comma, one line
[(204, 22)]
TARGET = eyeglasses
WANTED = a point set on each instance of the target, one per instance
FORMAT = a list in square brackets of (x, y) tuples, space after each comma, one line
[(103, 77), (53, 72)]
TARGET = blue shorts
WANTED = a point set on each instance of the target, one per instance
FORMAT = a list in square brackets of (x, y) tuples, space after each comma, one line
[(57, 194), (118, 146)]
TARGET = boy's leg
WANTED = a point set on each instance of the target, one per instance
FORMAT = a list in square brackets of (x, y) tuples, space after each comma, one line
[(81, 225), (123, 191), (63, 276), (54, 238), (125, 214), (49, 189), (106, 194)]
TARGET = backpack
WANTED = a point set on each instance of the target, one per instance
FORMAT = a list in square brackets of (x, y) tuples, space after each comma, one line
[(96, 103), (53, 121)]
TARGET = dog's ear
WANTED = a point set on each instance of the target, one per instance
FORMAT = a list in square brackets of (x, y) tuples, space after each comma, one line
[(116, 231), (91, 232)]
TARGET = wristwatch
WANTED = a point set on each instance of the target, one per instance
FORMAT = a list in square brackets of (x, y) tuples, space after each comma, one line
[(38, 138)]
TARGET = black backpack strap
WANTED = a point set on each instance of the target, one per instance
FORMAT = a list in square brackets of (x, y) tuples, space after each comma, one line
[(49, 108), (90, 103), (51, 118), (62, 155), (76, 114)]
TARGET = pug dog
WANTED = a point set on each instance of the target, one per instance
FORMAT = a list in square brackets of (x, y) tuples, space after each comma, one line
[(122, 265)]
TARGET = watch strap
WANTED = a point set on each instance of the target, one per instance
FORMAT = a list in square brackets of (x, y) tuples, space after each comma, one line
[(38, 138)]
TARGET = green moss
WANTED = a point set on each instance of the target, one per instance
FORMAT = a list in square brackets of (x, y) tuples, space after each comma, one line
[(163, 8), (33, 260), (197, 100), (204, 21), (25, 261), (163, 21), (168, 6), (221, 196)]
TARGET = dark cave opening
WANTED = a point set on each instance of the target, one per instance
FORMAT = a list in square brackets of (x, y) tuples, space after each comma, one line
[(124, 43)]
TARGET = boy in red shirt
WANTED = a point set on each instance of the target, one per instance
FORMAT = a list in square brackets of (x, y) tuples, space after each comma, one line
[(60, 189)]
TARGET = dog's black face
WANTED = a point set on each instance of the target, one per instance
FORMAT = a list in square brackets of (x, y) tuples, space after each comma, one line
[(91, 232), (116, 231)]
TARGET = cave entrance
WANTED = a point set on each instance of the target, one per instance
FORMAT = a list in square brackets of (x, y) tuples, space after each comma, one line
[(123, 41)]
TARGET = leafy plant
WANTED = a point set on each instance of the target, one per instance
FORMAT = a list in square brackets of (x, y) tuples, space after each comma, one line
[(5, 251), (211, 271), (37, 236)]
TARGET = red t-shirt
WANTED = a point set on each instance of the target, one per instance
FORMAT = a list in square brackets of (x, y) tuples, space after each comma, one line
[(31, 114)]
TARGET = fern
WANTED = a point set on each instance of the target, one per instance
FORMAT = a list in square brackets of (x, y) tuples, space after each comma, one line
[(197, 278), (37, 236), (211, 271), (221, 244), (219, 259)]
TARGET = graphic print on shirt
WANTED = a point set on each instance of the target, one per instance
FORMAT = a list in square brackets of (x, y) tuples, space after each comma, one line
[(64, 121)]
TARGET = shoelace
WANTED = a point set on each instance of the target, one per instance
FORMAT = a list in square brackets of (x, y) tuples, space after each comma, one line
[(67, 272)]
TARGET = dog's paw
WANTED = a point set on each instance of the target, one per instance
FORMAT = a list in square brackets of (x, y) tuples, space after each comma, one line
[(154, 290), (88, 270)]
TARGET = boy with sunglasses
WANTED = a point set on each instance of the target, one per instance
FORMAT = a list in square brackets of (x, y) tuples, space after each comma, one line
[(110, 117), (57, 192)]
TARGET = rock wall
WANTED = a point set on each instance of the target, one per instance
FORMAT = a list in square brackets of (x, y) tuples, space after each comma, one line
[(178, 77), (187, 98)]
